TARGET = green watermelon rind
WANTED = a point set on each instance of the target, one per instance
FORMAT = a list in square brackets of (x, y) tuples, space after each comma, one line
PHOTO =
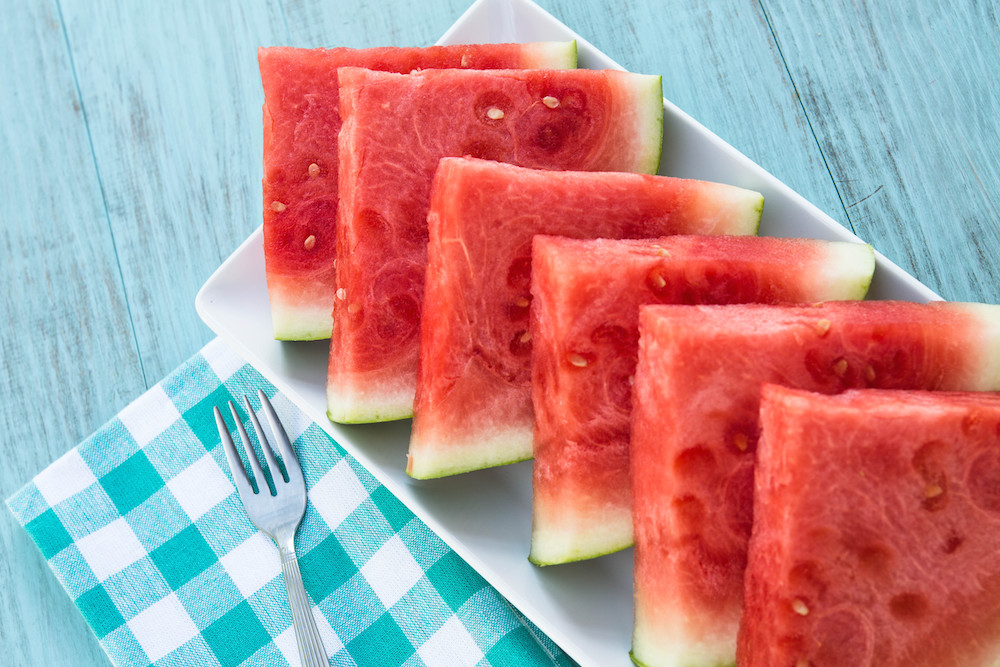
[(575, 555), (852, 271), (676, 652), (499, 450), (298, 324), (649, 97), (349, 410), (555, 55)]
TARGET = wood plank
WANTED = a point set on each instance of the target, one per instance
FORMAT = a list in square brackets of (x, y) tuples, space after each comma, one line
[(904, 102), (173, 105), (363, 24), (69, 356), (719, 64)]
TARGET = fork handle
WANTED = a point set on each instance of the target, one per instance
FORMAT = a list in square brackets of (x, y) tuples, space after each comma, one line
[(306, 633)]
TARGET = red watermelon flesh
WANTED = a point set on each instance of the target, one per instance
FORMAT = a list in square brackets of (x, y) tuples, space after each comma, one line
[(396, 129), (584, 336), (876, 531), (301, 124), (473, 404), (695, 429)]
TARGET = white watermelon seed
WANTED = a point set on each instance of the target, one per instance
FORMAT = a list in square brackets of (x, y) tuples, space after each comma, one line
[(341, 293), (577, 360), (822, 327), (869, 373), (840, 367), (278, 206), (354, 308), (526, 336), (658, 280), (799, 607), (933, 491), (309, 243), (465, 60), (631, 380), (550, 102), (741, 441), (522, 302), (494, 113), (313, 170)]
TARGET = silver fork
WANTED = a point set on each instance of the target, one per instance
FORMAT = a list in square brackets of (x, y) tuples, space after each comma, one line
[(277, 516)]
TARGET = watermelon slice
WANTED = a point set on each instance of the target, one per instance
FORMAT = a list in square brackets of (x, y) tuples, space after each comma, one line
[(396, 129), (876, 531), (473, 404), (585, 333), (695, 428), (301, 124)]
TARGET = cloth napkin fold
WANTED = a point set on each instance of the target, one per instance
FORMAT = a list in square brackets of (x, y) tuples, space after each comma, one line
[(143, 527)]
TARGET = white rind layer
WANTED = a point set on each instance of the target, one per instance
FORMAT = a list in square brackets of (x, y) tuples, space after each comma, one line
[(848, 272), (378, 405), (552, 55), (302, 322), (452, 457), (652, 647), (553, 542), (648, 92), (987, 375)]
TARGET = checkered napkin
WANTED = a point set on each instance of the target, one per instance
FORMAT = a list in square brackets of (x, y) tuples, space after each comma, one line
[(143, 527)]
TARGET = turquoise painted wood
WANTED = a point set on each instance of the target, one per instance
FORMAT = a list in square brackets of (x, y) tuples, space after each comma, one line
[(130, 145)]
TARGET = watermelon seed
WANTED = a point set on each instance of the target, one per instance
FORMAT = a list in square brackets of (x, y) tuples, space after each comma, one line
[(522, 302), (656, 280), (278, 206), (741, 441), (494, 113), (933, 491), (341, 293), (840, 367), (802, 663), (799, 607), (354, 308), (822, 327), (577, 360), (550, 102), (869, 373), (525, 337), (313, 170), (631, 380), (465, 60), (309, 243)]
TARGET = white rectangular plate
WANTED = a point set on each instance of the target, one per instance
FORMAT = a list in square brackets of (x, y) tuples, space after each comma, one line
[(485, 516)]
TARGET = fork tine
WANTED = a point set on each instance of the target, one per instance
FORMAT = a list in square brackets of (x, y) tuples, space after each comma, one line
[(258, 473), (281, 438), (265, 445), (233, 458)]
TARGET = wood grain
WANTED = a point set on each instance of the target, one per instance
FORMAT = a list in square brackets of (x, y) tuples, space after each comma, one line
[(904, 103), (131, 142), (719, 64), (174, 113), (69, 356)]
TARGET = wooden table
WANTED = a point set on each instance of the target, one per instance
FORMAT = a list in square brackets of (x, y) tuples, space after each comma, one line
[(130, 143)]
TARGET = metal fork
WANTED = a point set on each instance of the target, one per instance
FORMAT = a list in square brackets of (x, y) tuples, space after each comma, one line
[(277, 516)]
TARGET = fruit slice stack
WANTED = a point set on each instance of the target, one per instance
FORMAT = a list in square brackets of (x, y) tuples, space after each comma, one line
[(695, 429)]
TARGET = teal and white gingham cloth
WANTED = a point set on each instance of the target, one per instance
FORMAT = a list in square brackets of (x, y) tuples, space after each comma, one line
[(143, 527)]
